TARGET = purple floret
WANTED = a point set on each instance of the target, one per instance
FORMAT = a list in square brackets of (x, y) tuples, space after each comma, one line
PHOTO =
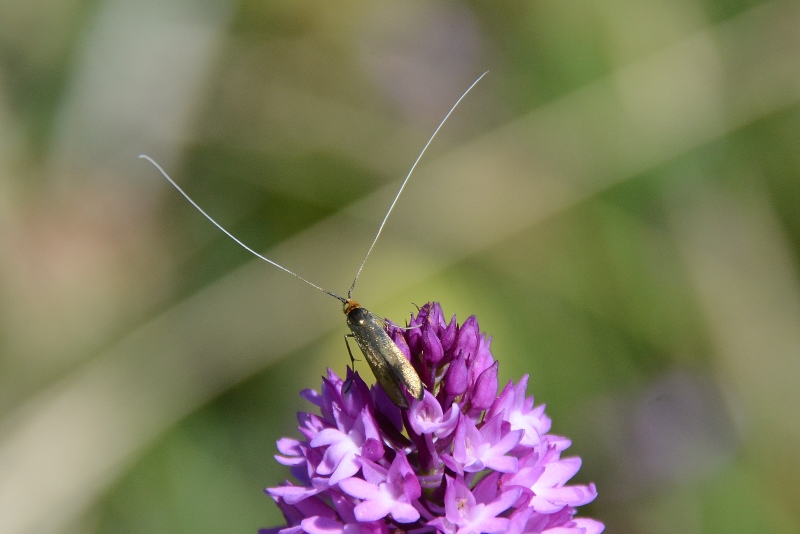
[(461, 460)]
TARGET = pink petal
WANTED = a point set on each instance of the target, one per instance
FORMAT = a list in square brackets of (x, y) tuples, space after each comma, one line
[(504, 464), (372, 510), (558, 473), (321, 525), (358, 488), (292, 494), (590, 525), (404, 512), (348, 467), (327, 437)]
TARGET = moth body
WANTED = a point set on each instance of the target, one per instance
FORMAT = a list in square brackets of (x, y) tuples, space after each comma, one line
[(388, 363)]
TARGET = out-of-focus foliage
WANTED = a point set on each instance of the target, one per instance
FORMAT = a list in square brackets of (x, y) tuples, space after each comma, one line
[(617, 202)]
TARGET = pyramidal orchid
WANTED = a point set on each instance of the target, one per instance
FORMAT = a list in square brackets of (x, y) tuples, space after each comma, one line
[(462, 460)]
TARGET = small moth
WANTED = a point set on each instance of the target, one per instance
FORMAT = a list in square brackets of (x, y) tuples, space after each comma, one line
[(388, 363)]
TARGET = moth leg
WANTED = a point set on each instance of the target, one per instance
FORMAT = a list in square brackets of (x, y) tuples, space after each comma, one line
[(352, 362), (350, 352), (385, 324)]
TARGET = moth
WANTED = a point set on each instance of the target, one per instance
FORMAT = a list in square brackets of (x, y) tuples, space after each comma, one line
[(390, 366)]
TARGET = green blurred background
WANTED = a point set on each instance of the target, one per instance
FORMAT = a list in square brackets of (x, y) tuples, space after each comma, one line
[(617, 202)]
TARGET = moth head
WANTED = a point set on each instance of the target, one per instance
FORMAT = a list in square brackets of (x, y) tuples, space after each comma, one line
[(350, 305)]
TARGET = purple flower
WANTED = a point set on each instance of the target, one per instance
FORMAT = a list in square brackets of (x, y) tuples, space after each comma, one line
[(475, 450), (520, 412), (465, 514), (345, 444), (544, 476), (427, 417), (385, 492), (461, 460)]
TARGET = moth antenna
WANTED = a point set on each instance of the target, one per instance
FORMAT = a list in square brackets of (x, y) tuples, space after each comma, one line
[(250, 250), (397, 196)]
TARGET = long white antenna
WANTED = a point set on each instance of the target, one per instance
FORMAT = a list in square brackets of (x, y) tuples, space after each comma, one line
[(315, 286), (187, 197), (414, 166)]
